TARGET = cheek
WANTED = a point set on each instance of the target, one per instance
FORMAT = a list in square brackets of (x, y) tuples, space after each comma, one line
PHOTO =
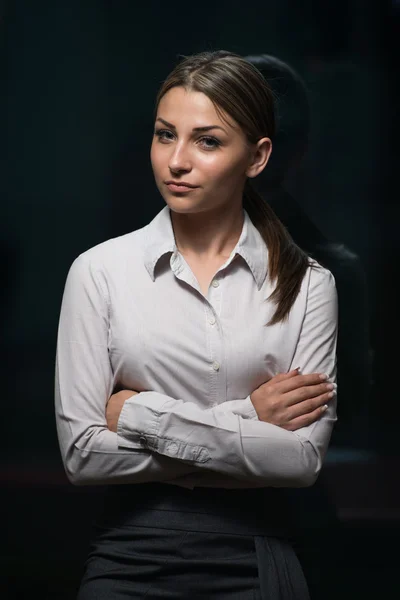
[(155, 159), (225, 172)]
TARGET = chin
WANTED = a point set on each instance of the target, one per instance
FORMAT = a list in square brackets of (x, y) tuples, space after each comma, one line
[(180, 204)]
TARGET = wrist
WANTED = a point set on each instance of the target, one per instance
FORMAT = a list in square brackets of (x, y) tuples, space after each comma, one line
[(253, 399), (251, 412)]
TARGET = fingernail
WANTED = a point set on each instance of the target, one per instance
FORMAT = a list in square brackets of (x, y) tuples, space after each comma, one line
[(324, 408), (324, 376)]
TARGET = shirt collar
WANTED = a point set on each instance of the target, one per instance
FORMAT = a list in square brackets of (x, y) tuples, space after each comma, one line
[(160, 239)]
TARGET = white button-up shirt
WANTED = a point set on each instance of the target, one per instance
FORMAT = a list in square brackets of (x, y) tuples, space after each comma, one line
[(133, 317)]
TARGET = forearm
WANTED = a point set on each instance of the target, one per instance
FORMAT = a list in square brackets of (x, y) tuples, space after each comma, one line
[(220, 441), (93, 458)]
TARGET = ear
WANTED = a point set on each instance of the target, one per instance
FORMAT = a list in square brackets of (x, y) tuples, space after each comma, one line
[(259, 157)]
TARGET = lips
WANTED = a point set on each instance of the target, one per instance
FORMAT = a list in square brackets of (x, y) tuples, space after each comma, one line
[(183, 184), (180, 186)]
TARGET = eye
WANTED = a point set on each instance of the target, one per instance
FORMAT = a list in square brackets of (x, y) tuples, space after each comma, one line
[(164, 135), (209, 143)]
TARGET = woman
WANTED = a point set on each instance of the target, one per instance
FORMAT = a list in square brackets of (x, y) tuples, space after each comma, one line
[(179, 353)]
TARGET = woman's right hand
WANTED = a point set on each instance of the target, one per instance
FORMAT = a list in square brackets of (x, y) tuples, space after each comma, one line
[(291, 400)]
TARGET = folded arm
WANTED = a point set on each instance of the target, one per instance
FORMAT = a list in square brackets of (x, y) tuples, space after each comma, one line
[(160, 438), (220, 440)]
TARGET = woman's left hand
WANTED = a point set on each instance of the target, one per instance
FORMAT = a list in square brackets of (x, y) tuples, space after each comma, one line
[(114, 407)]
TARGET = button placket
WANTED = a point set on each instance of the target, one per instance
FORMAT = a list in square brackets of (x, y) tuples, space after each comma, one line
[(216, 344), (215, 294)]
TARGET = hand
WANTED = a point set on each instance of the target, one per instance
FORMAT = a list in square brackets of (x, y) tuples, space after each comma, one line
[(114, 407), (292, 401)]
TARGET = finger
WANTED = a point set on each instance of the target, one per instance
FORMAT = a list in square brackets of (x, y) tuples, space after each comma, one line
[(307, 419), (309, 406), (298, 381), (303, 394)]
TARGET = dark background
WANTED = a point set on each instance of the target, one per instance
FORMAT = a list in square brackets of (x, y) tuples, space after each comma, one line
[(78, 83)]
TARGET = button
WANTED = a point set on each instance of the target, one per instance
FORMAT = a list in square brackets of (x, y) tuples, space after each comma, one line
[(172, 449), (143, 440), (211, 320), (216, 366), (215, 283)]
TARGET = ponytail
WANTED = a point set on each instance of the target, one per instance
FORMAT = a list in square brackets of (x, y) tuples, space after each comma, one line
[(287, 263)]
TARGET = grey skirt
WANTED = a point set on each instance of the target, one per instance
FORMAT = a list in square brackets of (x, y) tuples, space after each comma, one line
[(158, 541)]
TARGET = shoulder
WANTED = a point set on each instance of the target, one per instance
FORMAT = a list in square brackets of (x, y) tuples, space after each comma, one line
[(319, 275), (320, 284), (105, 264), (111, 253)]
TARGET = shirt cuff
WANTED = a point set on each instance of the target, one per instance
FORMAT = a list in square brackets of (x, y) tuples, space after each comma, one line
[(242, 408), (138, 429), (249, 412), (137, 426)]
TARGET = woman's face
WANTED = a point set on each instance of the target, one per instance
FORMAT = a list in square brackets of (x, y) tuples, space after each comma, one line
[(192, 145)]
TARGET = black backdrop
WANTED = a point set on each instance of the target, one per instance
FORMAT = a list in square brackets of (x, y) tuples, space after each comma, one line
[(78, 84)]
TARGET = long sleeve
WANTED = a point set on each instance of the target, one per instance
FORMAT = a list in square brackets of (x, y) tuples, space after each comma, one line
[(246, 448), (83, 384)]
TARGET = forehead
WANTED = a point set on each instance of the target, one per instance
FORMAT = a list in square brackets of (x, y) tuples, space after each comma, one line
[(184, 107)]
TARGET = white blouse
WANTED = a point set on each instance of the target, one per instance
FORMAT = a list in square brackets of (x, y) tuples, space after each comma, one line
[(133, 317)]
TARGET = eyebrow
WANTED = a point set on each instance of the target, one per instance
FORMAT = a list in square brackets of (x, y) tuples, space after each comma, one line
[(205, 128)]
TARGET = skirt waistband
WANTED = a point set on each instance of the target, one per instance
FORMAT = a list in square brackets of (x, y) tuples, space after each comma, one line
[(261, 511)]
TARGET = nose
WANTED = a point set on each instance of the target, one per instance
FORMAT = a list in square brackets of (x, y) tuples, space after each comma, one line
[(179, 161)]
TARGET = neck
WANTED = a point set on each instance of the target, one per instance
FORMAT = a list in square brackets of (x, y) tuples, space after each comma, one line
[(207, 235)]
